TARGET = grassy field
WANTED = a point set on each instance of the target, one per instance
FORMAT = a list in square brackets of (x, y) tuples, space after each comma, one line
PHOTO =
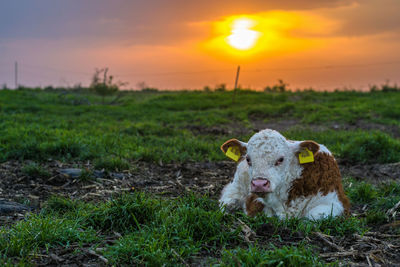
[(173, 131)]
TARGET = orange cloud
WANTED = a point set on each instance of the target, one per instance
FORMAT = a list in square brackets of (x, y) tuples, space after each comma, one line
[(279, 32)]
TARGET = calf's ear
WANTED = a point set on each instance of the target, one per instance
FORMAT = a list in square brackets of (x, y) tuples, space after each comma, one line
[(234, 149), (310, 145)]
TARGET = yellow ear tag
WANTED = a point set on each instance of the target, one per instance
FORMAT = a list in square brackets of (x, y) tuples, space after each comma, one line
[(233, 152), (306, 156)]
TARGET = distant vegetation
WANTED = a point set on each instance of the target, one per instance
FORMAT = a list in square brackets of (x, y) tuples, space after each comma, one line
[(280, 87), (103, 84)]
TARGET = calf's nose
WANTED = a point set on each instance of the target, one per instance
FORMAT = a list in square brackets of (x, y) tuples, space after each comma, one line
[(260, 185)]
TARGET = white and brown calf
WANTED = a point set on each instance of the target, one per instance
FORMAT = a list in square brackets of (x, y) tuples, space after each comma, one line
[(270, 179)]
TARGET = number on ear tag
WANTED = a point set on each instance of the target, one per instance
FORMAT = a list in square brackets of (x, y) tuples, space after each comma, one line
[(233, 152), (306, 156)]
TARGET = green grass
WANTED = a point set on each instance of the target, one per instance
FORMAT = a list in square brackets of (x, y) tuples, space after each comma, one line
[(112, 164), (284, 256), (25, 237), (337, 226), (35, 170), (158, 230), (372, 147), (378, 199), (384, 196), (86, 175), (157, 127), (150, 126), (155, 230)]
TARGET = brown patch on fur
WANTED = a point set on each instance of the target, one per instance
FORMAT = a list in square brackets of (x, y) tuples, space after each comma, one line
[(253, 207), (311, 145), (323, 176), (233, 143)]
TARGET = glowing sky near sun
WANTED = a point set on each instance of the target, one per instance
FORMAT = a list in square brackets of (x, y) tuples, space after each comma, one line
[(186, 44), (242, 36)]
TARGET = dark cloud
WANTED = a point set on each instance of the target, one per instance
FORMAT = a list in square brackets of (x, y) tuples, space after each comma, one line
[(369, 17), (139, 21)]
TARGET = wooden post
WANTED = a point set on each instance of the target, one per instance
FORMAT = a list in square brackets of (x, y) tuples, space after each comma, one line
[(236, 84), (105, 76)]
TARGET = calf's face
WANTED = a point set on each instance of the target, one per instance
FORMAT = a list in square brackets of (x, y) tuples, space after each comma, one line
[(272, 160), (268, 156)]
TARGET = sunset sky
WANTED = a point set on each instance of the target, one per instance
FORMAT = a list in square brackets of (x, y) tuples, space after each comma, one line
[(180, 44)]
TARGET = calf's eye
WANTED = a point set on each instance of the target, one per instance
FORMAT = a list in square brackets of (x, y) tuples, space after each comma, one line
[(248, 160), (279, 161)]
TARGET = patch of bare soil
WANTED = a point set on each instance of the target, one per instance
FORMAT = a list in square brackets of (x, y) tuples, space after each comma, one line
[(258, 124), (238, 129), (170, 180), (392, 130), (232, 129), (373, 173), (173, 180), (371, 249), (278, 125)]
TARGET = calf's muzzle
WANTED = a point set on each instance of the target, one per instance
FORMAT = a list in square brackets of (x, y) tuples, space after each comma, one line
[(260, 185)]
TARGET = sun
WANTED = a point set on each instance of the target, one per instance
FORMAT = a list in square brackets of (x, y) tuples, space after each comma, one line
[(243, 37)]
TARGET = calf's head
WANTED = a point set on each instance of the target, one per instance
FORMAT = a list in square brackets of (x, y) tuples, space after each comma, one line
[(272, 159)]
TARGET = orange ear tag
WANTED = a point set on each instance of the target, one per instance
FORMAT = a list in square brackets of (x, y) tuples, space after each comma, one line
[(306, 156), (233, 152)]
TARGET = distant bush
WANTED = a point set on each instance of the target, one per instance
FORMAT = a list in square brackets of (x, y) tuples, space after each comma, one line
[(207, 88), (149, 89), (280, 87), (104, 86), (220, 87), (386, 87), (142, 86), (49, 88)]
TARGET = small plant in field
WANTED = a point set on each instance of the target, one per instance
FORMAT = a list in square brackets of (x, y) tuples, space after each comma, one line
[(379, 198), (362, 193), (112, 164), (124, 213), (376, 216), (142, 86), (61, 205), (207, 88), (86, 175), (280, 87), (220, 87), (284, 256), (104, 86), (339, 226), (8, 262), (35, 170), (26, 237)]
